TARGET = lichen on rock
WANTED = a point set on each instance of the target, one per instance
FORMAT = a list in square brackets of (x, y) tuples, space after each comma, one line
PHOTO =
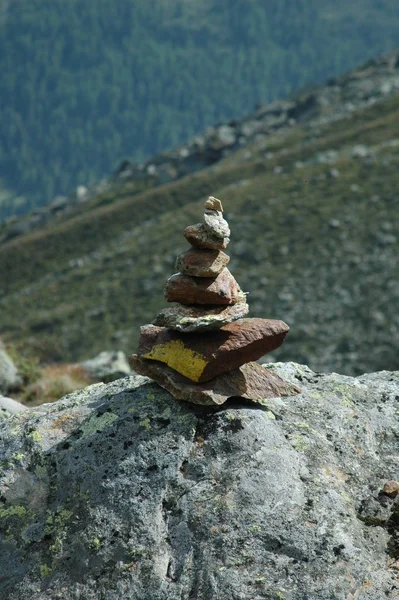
[(168, 500)]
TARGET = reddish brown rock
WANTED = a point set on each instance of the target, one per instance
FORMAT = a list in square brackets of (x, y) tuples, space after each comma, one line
[(202, 356), (202, 262), (201, 237), (189, 318), (250, 381), (203, 290)]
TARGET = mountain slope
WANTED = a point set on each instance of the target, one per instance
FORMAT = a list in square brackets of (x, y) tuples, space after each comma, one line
[(312, 208), (86, 84)]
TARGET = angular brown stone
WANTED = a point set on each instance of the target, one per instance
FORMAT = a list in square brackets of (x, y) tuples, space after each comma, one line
[(199, 237), (213, 204), (202, 356), (250, 381), (202, 262), (203, 290), (200, 318)]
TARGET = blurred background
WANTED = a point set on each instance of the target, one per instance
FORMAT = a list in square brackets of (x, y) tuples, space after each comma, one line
[(117, 119)]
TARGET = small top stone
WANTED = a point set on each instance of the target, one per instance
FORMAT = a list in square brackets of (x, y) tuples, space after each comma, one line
[(391, 488), (213, 204)]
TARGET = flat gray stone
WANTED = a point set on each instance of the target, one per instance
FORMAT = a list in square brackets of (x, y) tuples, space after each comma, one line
[(195, 318), (107, 366)]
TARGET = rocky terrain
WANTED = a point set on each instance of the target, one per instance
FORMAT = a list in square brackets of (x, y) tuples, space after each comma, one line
[(119, 490), (309, 186), (31, 384)]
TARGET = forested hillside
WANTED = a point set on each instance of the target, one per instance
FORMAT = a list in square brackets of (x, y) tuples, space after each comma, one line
[(86, 83)]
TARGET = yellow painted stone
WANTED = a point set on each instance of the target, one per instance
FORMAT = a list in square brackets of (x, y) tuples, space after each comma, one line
[(183, 360)]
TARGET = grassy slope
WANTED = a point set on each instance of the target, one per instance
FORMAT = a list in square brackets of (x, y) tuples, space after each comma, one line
[(87, 284)]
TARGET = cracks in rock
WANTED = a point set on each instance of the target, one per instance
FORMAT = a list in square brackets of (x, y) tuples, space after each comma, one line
[(383, 511), (166, 507), (170, 511)]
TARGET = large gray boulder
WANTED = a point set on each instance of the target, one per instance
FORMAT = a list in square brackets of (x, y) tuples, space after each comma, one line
[(8, 407), (120, 492), (107, 366), (9, 376)]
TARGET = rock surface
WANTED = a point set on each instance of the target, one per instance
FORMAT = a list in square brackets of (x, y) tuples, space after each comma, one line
[(202, 356), (215, 224), (201, 237), (107, 366), (250, 381), (8, 406), (213, 203), (202, 262), (9, 377), (122, 492), (195, 318), (391, 488), (222, 289)]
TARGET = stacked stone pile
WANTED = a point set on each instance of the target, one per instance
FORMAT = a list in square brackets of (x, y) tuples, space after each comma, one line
[(202, 349)]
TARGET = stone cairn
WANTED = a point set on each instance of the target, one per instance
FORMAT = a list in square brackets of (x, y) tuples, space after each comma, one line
[(201, 349)]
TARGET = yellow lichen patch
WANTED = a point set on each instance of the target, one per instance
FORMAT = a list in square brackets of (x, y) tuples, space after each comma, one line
[(18, 511), (36, 436), (183, 360), (333, 472), (45, 570), (98, 423)]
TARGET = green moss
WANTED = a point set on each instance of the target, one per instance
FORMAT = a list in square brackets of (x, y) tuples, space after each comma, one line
[(36, 436), (306, 427), (253, 528), (299, 442), (184, 419), (57, 546), (45, 571), (98, 423), (146, 423), (13, 523), (16, 431), (270, 415), (18, 456), (166, 414), (95, 544), (40, 471), (18, 511), (231, 416), (57, 521), (56, 529)]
